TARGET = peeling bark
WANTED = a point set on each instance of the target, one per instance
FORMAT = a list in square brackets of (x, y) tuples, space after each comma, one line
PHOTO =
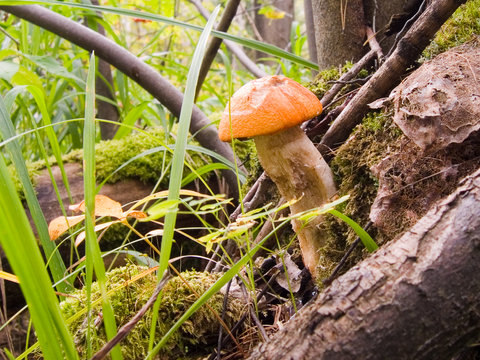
[(416, 298)]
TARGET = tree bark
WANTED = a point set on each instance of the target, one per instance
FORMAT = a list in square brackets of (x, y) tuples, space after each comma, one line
[(335, 44), (416, 298), (340, 32)]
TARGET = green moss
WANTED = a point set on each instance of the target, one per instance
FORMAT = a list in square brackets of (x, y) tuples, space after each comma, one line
[(371, 141), (461, 26), (112, 154), (201, 328), (321, 83)]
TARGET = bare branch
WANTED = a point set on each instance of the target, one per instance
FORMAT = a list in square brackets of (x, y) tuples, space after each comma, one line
[(215, 42), (234, 48)]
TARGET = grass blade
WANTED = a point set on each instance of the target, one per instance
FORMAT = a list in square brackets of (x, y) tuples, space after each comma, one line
[(94, 259), (176, 172), (56, 265), (20, 246), (366, 239), (252, 44), (210, 292)]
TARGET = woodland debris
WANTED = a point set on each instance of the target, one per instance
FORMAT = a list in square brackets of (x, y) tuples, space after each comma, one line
[(438, 109)]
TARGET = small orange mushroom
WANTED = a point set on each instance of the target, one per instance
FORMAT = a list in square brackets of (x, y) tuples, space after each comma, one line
[(269, 110)]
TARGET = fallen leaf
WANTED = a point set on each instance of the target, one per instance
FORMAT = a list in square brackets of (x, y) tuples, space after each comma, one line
[(61, 224)]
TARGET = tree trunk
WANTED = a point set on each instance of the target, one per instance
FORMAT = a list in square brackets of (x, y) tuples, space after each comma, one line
[(340, 31), (103, 84), (338, 40), (416, 298), (274, 31), (312, 47)]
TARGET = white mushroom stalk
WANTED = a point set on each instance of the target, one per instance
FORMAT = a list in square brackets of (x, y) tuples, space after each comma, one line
[(269, 110)]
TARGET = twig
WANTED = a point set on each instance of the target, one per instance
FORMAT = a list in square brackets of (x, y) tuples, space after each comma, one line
[(353, 81), (320, 127), (254, 195), (374, 45), (125, 329), (405, 27), (258, 323), (234, 48), (220, 330), (252, 312), (332, 277), (252, 24), (245, 315), (215, 42), (349, 75)]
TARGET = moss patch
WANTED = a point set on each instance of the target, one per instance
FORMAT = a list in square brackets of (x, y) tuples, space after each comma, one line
[(112, 154), (462, 25), (321, 83), (371, 141), (200, 329)]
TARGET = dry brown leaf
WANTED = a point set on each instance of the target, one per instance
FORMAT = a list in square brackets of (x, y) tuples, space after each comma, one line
[(61, 224), (104, 206), (136, 214)]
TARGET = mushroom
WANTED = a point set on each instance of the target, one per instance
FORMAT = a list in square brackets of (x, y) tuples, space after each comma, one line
[(270, 110)]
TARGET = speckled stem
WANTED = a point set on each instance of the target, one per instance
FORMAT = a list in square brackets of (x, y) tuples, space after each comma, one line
[(300, 172)]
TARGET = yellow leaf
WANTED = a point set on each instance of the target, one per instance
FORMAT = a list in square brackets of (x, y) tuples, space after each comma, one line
[(275, 14), (164, 194), (104, 206), (9, 277)]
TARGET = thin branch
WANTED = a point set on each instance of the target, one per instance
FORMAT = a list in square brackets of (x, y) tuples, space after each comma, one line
[(254, 196), (135, 69), (374, 45), (215, 42), (234, 48), (224, 310), (349, 75)]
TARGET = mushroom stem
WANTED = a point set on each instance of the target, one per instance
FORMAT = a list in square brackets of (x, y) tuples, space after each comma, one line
[(295, 165)]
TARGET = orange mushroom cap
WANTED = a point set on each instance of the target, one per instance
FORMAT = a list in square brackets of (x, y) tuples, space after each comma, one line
[(267, 106)]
